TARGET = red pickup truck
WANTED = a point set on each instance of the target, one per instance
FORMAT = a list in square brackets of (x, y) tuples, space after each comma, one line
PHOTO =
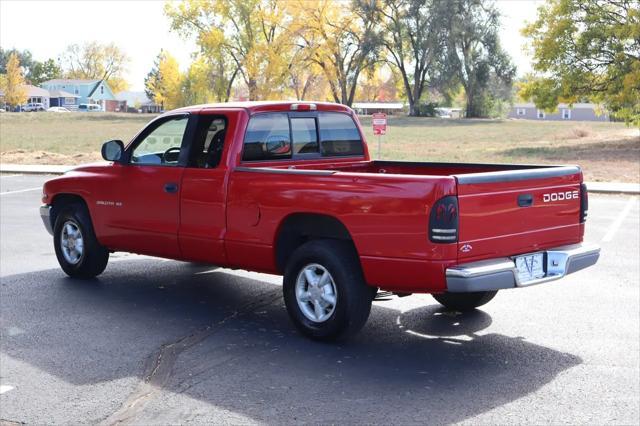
[(289, 188)]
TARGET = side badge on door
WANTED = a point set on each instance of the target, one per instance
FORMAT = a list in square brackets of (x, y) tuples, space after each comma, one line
[(466, 248)]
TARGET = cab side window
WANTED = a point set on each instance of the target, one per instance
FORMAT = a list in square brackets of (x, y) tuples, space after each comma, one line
[(267, 138), (208, 143), (162, 146)]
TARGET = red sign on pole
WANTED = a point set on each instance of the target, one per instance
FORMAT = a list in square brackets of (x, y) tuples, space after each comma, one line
[(379, 121)]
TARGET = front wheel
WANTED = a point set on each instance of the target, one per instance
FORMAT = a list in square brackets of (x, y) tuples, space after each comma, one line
[(79, 253), (325, 292), (464, 301)]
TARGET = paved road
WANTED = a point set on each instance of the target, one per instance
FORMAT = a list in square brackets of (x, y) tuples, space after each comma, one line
[(156, 342)]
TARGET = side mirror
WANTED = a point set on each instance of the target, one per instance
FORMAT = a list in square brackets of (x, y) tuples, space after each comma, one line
[(278, 145), (112, 150)]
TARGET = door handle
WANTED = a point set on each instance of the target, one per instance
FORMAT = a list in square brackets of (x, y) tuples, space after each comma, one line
[(525, 200), (171, 187)]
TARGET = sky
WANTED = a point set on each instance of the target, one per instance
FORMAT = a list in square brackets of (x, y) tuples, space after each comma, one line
[(140, 28)]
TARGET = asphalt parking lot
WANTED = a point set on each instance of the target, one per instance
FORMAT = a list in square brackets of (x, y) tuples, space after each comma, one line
[(164, 342)]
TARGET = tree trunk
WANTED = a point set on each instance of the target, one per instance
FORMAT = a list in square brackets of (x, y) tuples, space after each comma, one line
[(253, 90)]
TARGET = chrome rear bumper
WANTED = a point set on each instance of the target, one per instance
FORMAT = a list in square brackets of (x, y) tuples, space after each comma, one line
[(498, 274)]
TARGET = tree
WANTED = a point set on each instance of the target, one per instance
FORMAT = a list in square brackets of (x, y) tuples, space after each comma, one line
[(15, 92), (43, 71), (198, 85), (415, 38), (24, 57), (97, 61), (587, 50), (164, 82), (153, 82), (376, 86), (342, 39), (306, 77), (475, 56), (252, 33)]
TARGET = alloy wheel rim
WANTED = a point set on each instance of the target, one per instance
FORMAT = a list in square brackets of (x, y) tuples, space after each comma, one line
[(71, 242), (316, 293)]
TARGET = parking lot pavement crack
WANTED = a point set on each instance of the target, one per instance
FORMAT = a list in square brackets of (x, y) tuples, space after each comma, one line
[(159, 366)]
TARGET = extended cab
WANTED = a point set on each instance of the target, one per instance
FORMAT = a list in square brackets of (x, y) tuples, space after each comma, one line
[(289, 188)]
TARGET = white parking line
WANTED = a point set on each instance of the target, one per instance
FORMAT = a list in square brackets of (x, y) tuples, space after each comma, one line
[(5, 389), (21, 190), (618, 222)]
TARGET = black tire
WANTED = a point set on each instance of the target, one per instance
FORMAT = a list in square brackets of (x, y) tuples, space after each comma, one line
[(353, 298), (464, 301), (94, 257)]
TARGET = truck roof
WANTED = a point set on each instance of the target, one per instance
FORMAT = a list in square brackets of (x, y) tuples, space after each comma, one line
[(261, 106)]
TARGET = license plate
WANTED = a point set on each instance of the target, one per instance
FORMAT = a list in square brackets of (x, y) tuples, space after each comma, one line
[(530, 267)]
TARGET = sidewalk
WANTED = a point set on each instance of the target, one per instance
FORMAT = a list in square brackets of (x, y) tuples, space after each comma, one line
[(594, 187)]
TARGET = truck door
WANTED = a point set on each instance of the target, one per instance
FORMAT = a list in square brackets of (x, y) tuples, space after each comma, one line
[(143, 196), (203, 196)]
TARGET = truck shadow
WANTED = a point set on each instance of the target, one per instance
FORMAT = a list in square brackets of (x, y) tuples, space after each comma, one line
[(238, 352)]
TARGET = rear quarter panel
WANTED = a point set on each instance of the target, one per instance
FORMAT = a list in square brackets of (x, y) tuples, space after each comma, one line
[(386, 215)]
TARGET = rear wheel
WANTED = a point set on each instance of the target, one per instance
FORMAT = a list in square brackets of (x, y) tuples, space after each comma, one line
[(464, 301), (77, 249), (324, 290)]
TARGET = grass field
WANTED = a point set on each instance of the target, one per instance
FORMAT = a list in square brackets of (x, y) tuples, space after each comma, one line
[(606, 151)]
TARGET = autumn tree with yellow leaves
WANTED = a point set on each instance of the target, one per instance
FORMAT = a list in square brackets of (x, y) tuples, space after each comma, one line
[(13, 82), (252, 34), (164, 83), (342, 39), (96, 61)]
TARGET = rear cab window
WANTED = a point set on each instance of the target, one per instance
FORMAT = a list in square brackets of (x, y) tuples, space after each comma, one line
[(282, 136)]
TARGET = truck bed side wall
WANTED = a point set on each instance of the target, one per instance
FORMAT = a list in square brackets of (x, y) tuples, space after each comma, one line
[(386, 216)]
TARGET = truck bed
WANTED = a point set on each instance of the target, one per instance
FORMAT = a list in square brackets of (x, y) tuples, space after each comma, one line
[(503, 208)]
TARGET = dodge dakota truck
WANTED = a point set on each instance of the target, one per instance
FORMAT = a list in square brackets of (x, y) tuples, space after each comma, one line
[(289, 188)]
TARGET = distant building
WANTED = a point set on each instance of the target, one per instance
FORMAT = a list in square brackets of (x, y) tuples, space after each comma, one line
[(60, 98), (37, 95), (366, 108), (138, 102), (88, 91), (575, 112)]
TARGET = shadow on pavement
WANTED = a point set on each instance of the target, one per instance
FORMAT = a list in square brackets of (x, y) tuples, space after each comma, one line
[(234, 348)]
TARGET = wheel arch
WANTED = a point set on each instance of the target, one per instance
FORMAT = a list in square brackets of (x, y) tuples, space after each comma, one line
[(64, 199), (299, 228)]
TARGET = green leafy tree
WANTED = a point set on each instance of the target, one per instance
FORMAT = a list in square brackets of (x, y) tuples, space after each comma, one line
[(43, 71), (586, 50), (24, 57), (153, 81), (475, 56), (415, 34)]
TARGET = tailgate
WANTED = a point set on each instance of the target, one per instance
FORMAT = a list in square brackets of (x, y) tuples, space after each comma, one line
[(513, 212)]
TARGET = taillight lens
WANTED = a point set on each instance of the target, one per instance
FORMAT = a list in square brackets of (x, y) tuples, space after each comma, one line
[(584, 203), (443, 220)]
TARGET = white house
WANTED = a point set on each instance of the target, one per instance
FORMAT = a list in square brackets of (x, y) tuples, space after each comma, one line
[(37, 95), (574, 112)]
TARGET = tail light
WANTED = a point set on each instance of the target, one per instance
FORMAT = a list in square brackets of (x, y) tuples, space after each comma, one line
[(584, 203), (443, 221)]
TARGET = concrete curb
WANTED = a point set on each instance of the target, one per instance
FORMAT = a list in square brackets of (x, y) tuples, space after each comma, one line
[(35, 169)]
